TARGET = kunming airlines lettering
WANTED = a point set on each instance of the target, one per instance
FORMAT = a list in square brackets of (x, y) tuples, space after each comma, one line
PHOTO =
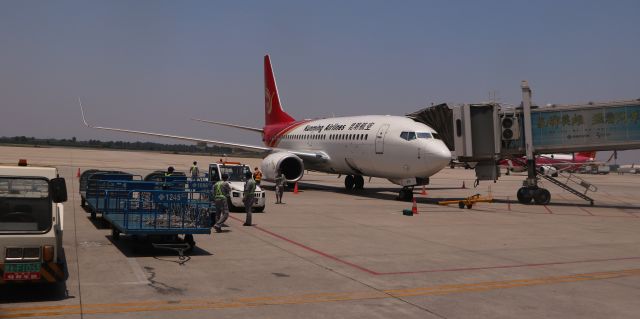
[(364, 126)]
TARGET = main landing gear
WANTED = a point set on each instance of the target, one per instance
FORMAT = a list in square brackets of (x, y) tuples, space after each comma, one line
[(540, 196), (352, 182)]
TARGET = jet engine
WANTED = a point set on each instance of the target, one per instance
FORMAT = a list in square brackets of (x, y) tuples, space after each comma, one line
[(549, 170), (289, 164)]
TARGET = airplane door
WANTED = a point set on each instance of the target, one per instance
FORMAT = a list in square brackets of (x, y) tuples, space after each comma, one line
[(382, 132)]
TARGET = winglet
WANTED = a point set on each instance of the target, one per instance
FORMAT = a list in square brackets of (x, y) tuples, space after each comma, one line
[(82, 111)]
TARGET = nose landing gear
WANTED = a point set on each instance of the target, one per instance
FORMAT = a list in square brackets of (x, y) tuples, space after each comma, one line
[(541, 196)]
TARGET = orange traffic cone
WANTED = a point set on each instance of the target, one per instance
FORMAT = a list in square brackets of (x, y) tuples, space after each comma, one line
[(424, 191), (78, 174), (295, 188), (414, 208), (463, 187)]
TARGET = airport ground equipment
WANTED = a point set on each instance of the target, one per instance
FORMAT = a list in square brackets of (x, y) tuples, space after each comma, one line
[(467, 202), (31, 224), (162, 215), (484, 133), (94, 184), (236, 172)]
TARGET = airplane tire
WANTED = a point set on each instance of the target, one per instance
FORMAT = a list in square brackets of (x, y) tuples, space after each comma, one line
[(524, 195), (359, 182), (349, 182), (542, 196)]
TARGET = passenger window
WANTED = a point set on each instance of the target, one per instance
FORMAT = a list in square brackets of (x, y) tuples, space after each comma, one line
[(459, 128), (366, 137)]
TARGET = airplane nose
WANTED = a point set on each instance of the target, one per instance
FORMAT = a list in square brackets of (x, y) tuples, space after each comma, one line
[(441, 156)]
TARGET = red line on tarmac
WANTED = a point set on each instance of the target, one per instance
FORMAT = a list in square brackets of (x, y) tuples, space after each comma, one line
[(586, 211), (548, 209), (314, 250), (509, 266), (375, 273)]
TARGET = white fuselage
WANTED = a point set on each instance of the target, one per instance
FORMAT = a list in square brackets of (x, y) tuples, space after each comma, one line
[(390, 147)]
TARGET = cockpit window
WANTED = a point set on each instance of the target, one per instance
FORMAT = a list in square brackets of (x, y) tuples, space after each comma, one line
[(408, 136), (424, 135)]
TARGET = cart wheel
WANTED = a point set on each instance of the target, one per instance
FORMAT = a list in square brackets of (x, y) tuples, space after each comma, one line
[(82, 202), (461, 205), (469, 206), (188, 238), (115, 234), (93, 214)]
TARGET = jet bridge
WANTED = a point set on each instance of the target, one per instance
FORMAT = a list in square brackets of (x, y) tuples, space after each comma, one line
[(485, 133)]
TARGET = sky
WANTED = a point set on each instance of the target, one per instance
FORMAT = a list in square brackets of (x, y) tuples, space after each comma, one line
[(153, 65)]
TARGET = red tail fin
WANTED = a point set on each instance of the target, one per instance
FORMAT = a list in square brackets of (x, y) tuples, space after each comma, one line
[(273, 113), (588, 155)]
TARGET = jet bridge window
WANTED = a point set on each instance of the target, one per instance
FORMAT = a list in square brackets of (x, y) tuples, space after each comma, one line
[(436, 136), (408, 136)]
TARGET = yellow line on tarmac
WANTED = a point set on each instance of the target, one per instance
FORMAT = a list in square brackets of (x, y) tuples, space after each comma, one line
[(146, 306)]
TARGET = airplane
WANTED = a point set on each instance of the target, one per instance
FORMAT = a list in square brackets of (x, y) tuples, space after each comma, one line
[(551, 164), (397, 148)]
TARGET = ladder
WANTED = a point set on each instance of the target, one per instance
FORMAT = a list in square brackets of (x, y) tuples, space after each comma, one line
[(574, 179)]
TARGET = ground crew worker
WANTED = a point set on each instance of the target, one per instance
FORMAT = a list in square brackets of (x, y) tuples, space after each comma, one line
[(257, 175), (167, 175), (221, 193), (281, 183), (249, 197), (194, 171)]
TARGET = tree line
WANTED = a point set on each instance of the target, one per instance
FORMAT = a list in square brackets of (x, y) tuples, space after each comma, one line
[(200, 148)]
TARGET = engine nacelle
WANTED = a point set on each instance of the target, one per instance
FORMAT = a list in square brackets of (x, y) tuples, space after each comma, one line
[(289, 164), (549, 170)]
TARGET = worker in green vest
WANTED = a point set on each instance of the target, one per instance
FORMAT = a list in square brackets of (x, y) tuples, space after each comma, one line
[(167, 176), (195, 171), (249, 196), (221, 194)]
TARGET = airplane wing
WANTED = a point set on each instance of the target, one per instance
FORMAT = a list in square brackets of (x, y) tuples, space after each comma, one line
[(253, 129), (252, 148)]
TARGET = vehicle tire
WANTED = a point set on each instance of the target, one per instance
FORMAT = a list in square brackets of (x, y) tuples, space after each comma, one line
[(93, 214), (115, 234), (541, 196), (349, 182), (258, 209), (524, 195), (461, 204), (232, 208), (469, 206), (358, 182)]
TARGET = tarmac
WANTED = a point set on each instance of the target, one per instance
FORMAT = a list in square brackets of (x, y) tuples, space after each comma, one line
[(329, 253)]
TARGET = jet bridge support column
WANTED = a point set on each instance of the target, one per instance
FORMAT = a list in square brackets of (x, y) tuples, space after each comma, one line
[(530, 189)]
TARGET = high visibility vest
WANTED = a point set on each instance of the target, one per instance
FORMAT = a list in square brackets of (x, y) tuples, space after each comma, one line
[(218, 190), (194, 170), (252, 189), (257, 176)]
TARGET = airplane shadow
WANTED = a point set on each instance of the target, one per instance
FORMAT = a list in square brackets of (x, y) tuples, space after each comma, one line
[(382, 193)]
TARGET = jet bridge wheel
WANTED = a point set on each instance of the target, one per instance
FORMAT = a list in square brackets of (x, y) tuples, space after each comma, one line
[(406, 194)]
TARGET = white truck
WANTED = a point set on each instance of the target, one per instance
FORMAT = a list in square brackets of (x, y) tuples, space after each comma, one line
[(31, 224), (236, 172)]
